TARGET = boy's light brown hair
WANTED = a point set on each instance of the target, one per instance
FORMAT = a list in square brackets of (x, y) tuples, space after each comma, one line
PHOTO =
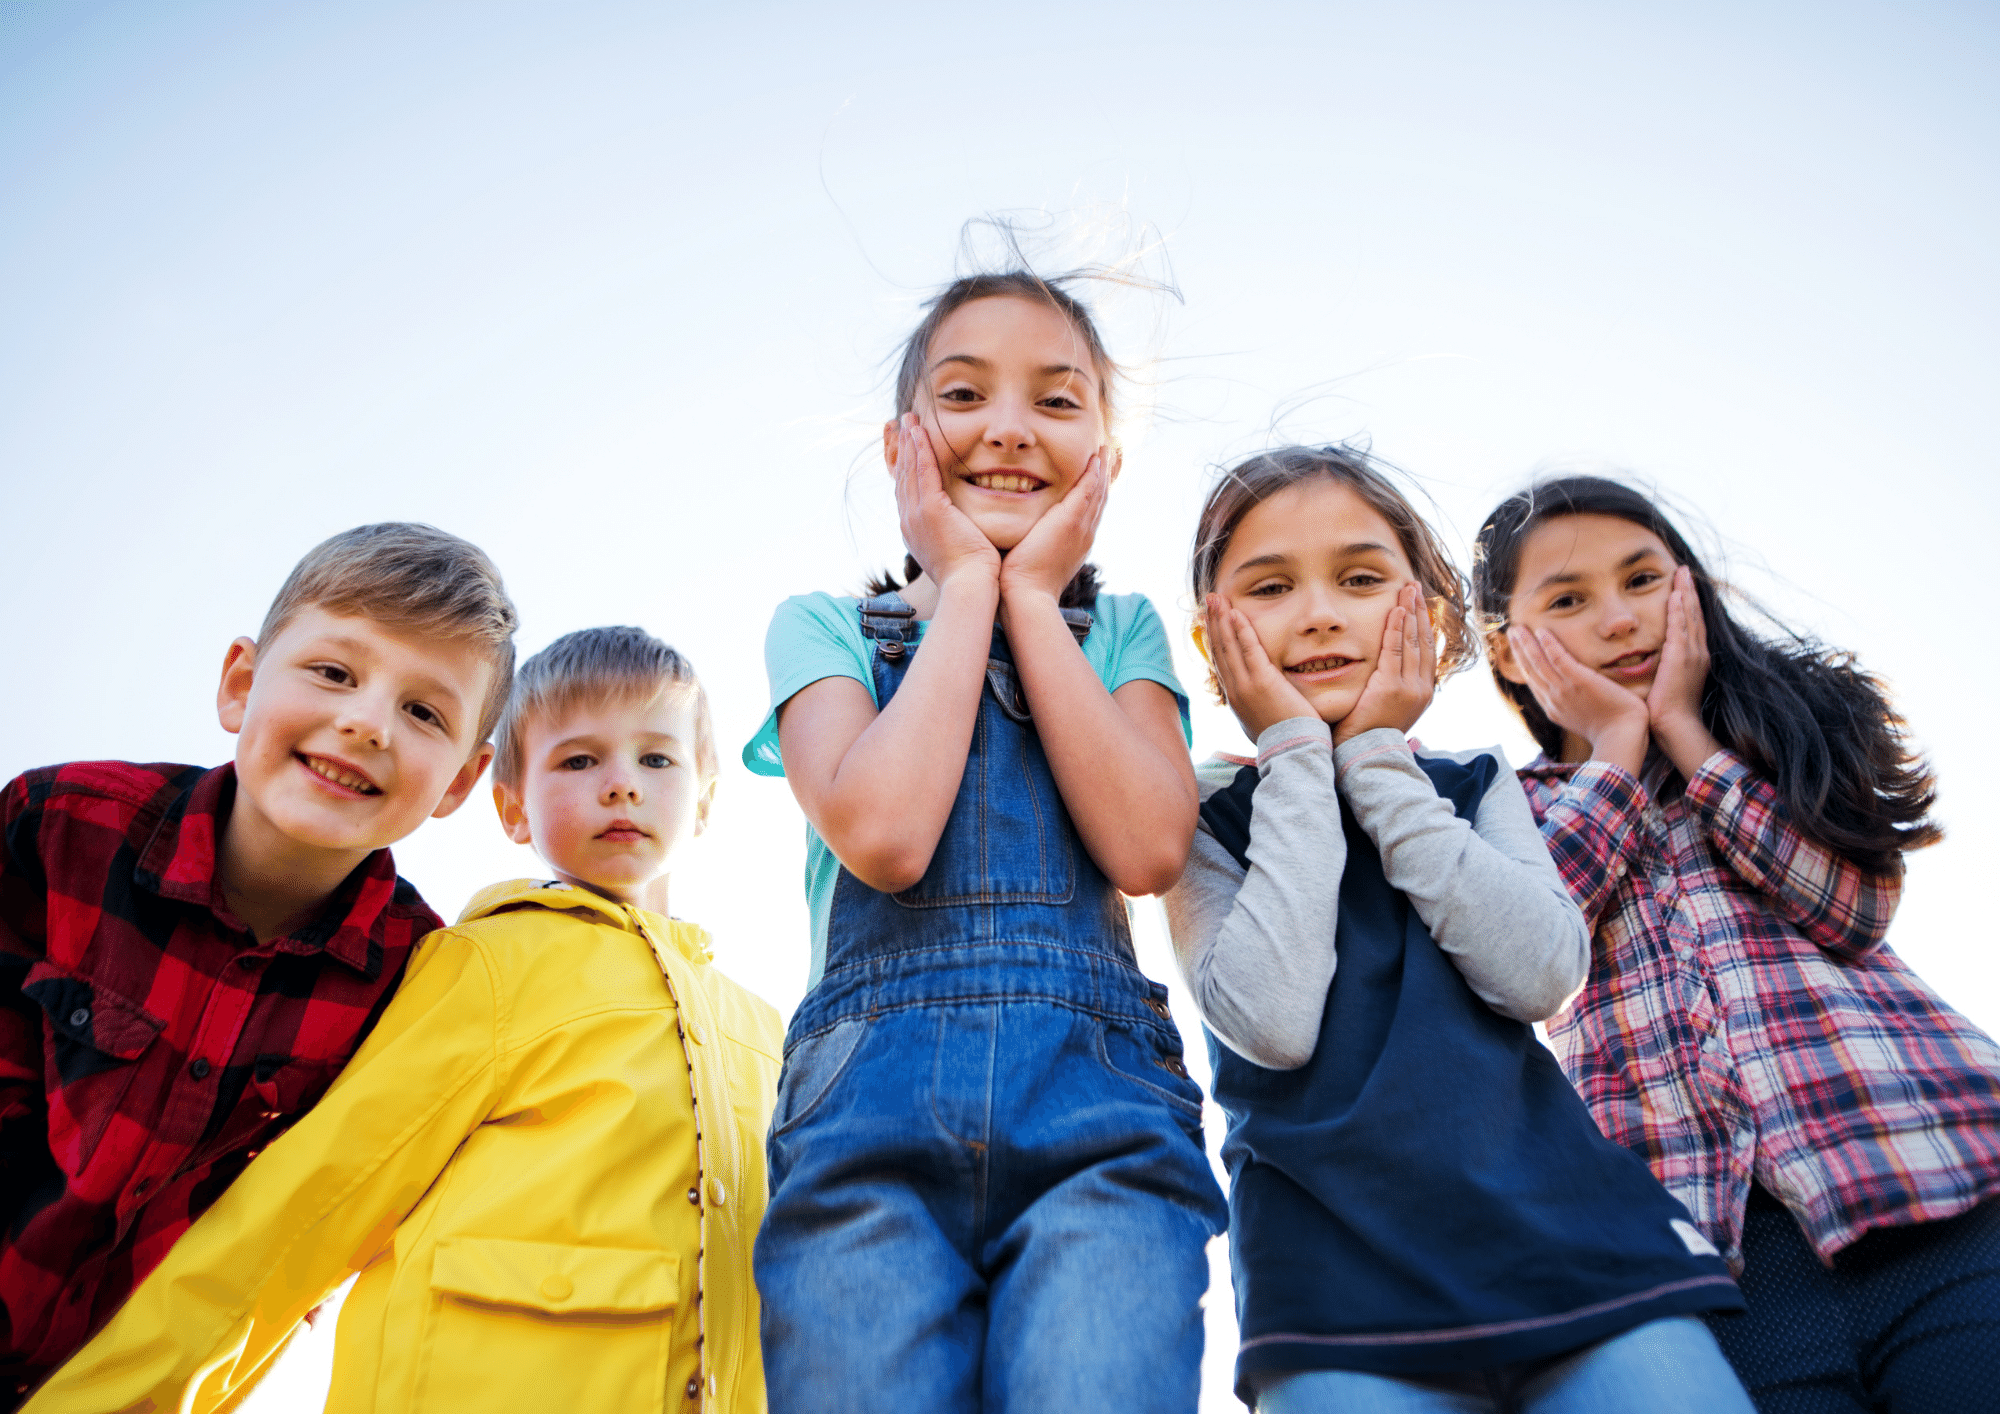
[(592, 665), (411, 576)]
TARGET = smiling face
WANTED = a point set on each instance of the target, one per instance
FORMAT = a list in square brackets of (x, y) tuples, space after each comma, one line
[(1600, 584), (1015, 409), (350, 733), (608, 788), (1316, 569)]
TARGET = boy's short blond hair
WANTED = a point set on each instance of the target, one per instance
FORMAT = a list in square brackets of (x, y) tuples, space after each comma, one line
[(412, 576), (599, 664)]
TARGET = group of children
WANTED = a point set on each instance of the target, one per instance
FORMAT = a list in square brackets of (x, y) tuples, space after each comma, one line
[(241, 1060)]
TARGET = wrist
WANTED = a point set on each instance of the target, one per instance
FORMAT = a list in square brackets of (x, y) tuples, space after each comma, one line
[(1687, 743), (1622, 744), (969, 582)]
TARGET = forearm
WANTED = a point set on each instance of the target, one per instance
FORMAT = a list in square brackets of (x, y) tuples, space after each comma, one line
[(883, 805), (1486, 890), (1134, 804), (1591, 827), (1257, 946), (1837, 904)]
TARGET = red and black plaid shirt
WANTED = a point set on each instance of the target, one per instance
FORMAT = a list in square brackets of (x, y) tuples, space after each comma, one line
[(149, 1044)]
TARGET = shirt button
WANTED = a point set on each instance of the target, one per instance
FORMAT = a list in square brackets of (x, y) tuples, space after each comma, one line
[(557, 1287), (717, 1194), (80, 1017), (694, 1195), (199, 1070)]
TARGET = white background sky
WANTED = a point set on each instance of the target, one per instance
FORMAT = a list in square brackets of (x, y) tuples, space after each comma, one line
[(606, 288)]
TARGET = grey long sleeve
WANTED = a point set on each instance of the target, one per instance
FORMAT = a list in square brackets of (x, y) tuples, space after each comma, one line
[(1258, 947)]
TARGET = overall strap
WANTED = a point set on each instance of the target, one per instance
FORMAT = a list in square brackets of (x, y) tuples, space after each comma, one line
[(1000, 676), (890, 623)]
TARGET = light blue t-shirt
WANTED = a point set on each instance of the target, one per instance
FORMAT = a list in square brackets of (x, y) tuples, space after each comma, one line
[(816, 636)]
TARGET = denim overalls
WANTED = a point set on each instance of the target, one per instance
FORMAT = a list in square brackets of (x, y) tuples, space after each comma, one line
[(988, 1189)]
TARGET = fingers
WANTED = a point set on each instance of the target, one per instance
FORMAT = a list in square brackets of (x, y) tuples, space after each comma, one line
[(1697, 624)]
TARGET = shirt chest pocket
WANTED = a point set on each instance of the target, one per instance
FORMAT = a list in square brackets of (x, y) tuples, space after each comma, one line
[(94, 1044), (535, 1325)]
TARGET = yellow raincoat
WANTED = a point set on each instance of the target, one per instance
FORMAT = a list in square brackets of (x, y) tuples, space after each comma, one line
[(546, 1162)]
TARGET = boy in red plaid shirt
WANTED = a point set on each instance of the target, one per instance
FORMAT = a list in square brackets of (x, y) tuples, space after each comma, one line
[(187, 957)]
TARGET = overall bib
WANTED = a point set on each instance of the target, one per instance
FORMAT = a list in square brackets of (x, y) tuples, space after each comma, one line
[(988, 1189)]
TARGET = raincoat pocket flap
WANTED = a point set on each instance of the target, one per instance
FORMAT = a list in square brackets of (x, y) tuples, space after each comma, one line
[(555, 1277)]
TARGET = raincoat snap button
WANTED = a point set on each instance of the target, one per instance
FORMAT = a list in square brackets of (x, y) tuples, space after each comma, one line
[(694, 1388), (694, 1195), (694, 1031), (717, 1194), (557, 1287)]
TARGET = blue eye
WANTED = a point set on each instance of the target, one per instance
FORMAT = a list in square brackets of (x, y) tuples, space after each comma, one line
[(655, 760), (577, 763)]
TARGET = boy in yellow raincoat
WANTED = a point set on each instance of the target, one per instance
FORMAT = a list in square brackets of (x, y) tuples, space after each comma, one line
[(546, 1163)]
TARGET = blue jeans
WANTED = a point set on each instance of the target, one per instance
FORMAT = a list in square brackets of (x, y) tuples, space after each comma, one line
[(1907, 1318), (1663, 1367)]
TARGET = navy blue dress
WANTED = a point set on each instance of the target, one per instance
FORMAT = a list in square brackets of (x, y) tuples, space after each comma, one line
[(1427, 1194)]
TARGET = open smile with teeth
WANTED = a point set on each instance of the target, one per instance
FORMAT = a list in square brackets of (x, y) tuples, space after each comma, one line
[(339, 775), (1006, 481), (1630, 661), (1321, 665)]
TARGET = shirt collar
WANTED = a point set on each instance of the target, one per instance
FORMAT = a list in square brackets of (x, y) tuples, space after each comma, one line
[(180, 862), (690, 940)]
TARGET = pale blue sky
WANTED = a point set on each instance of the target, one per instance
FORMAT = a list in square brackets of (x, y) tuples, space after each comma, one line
[(606, 288)]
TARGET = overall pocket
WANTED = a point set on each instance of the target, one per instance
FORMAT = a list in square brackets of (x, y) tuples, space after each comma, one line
[(531, 1326), (811, 1068)]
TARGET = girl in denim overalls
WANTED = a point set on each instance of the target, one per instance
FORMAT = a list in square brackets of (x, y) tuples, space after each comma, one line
[(988, 1184)]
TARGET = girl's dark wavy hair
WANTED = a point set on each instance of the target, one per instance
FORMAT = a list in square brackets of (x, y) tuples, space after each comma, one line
[(1804, 716), (1081, 591)]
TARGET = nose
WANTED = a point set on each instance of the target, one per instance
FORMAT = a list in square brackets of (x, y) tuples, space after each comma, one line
[(1322, 610), (364, 719), (1008, 427), (621, 787), (1617, 619)]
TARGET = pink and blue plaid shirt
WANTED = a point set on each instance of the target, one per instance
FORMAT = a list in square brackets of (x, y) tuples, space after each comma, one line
[(1742, 1017)]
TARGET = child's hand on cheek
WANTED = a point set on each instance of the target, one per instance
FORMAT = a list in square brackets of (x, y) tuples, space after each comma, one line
[(1405, 676), (1256, 690), (1586, 704), (1673, 705), (1053, 549), (941, 536)]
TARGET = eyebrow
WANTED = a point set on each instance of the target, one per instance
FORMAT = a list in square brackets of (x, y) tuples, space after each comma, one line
[(590, 740), (1047, 370), (1359, 547), (1576, 576)]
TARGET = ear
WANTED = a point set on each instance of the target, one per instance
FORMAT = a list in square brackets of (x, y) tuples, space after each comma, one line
[(1502, 654), (232, 695), (1198, 631), (701, 809), (462, 783), (1117, 465), (891, 430), (513, 816)]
